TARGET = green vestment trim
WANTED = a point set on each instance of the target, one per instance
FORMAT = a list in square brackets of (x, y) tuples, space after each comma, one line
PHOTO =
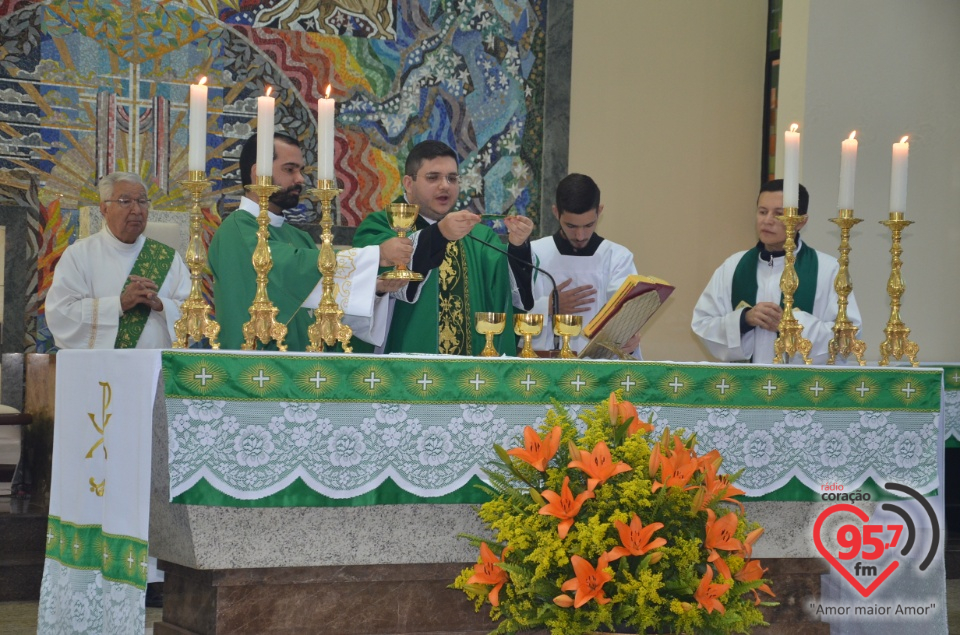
[(440, 321), (291, 280), (153, 262), (745, 279)]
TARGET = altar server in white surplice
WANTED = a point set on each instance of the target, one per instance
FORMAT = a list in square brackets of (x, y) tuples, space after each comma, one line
[(588, 268), (117, 288), (738, 314)]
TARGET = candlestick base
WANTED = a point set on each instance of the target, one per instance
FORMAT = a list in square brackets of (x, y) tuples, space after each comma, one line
[(263, 325), (195, 321), (327, 329)]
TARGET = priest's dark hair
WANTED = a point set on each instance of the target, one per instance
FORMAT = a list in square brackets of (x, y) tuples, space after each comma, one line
[(248, 154), (776, 185), (424, 151), (577, 194)]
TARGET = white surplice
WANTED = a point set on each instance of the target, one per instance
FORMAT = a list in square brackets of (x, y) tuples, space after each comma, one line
[(717, 323), (605, 271), (83, 303)]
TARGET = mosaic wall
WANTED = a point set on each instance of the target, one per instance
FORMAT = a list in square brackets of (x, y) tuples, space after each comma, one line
[(88, 87)]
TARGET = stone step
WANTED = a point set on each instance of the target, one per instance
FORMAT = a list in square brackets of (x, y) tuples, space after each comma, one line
[(21, 577), (22, 533)]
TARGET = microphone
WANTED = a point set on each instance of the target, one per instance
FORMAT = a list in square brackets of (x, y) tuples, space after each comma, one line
[(554, 295)]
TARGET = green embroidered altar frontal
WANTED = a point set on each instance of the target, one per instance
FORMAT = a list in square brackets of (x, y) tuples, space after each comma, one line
[(275, 429), (951, 405)]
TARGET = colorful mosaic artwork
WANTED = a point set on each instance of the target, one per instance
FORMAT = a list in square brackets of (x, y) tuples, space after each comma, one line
[(87, 88)]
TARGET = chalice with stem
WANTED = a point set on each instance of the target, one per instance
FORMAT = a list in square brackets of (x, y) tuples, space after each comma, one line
[(527, 325), (488, 325), (401, 217), (567, 326)]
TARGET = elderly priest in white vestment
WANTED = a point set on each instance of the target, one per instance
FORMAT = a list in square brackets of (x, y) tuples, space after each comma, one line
[(118, 288)]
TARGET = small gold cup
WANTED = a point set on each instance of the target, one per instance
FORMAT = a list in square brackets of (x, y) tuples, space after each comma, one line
[(527, 325), (402, 216), (567, 326), (490, 324)]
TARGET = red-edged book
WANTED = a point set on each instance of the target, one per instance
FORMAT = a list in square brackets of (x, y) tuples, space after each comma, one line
[(635, 302)]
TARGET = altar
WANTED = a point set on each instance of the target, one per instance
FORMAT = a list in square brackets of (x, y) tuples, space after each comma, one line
[(285, 488)]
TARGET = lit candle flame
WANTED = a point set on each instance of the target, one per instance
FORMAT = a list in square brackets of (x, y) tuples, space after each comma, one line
[(203, 80), (269, 88), (853, 135), (327, 95), (904, 139), (794, 127)]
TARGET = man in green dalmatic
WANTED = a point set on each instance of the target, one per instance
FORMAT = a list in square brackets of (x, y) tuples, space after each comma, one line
[(461, 274)]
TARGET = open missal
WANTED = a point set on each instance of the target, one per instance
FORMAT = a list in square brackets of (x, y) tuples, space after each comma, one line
[(635, 302)]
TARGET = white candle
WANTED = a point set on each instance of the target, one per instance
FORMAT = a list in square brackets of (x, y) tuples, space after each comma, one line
[(197, 150), (848, 171), (898, 176), (325, 134), (791, 165), (265, 108)]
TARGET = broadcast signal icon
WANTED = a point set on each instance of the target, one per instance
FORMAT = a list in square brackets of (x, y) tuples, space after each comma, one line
[(908, 521)]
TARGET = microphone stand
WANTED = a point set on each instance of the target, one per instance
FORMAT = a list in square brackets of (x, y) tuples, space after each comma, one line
[(554, 295)]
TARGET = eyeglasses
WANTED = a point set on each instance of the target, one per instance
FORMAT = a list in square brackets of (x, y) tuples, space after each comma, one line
[(434, 177), (127, 203)]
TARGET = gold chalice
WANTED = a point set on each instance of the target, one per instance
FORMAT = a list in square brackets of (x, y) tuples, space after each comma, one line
[(490, 324), (527, 325), (402, 216), (567, 326)]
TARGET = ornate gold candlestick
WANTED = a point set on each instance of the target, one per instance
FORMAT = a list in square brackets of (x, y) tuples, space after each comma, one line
[(327, 328), (897, 344), (845, 340), (195, 320), (790, 341), (263, 324)]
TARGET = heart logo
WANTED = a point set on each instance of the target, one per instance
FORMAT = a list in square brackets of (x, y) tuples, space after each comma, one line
[(862, 515)]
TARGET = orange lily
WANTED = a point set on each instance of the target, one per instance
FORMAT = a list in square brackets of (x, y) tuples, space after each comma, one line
[(536, 451), (487, 572), (678, 468), (713, 458), (598, 465), (753, 571), (635, 538), (719, 487), (588, 584), (749, 541), (564, 506), (621, 411), (720, 536), (708, 594)]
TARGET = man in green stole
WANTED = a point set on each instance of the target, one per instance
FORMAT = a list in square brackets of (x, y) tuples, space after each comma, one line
[(294, 280), (117, 288), (738, 313), (462, 275)]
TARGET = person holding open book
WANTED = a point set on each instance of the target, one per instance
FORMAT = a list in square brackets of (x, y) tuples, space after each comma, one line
[(738, 314), (588, 268)]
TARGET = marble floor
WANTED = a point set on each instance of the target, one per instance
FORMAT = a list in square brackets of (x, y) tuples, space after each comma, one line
[(20, 618)]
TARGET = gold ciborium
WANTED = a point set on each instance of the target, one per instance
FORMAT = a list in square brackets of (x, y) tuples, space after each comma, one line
[(527, 325), (402, 216), (490, 324), (567, 326)]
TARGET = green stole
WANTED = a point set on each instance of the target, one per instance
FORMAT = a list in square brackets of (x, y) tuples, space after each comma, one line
[(744, 291), (153, 262)]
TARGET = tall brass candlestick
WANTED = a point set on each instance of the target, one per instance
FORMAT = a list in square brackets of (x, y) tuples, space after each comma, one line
[(845, 340), (897, 344), (327, 328), (790, 341), (195, 320), (263, 323)]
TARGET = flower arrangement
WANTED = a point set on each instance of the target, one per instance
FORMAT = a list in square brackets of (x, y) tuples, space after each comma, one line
[(614, 530)]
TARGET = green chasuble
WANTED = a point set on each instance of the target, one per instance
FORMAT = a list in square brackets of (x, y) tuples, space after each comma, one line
[(472, 278), (292, 278)]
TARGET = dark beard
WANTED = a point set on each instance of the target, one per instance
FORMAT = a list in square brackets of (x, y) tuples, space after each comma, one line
[(287, 198)]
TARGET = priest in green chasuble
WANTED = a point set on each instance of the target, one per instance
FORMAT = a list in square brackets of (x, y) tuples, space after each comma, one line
[(738, 314), (461, 275), (117, 288), (294, 281)]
